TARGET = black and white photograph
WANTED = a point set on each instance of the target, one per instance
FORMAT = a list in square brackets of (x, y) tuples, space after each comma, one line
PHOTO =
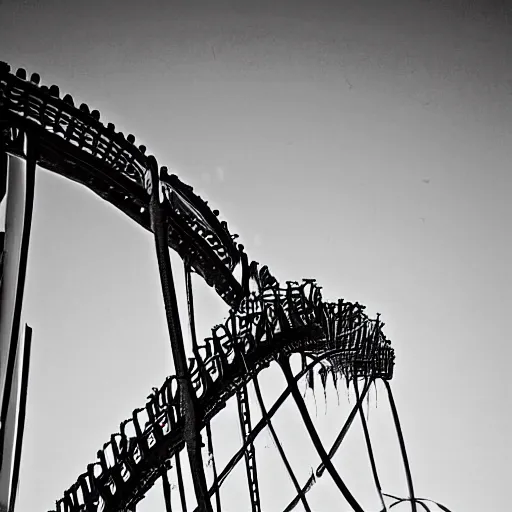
[(255, 256)]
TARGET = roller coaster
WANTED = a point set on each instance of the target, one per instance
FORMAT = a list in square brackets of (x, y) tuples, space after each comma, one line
[(267, 322)]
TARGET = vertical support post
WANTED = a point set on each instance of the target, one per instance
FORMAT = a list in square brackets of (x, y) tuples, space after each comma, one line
[(192, 433), (402, 445), (20, 176), (27, 345), (369, 446), (191, 315), (181, 487), (167, 489), (214, 466), (244, 414)]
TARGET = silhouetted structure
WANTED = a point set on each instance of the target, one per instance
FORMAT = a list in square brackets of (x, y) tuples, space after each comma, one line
[(267, 322)]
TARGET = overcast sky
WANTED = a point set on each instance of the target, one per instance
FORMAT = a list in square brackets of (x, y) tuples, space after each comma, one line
[(367, 145)]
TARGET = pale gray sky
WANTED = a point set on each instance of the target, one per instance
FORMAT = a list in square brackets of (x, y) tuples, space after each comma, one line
[(366, 145)]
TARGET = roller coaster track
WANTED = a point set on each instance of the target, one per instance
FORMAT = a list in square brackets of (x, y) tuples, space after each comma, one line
[(267, 322), (74, 143)]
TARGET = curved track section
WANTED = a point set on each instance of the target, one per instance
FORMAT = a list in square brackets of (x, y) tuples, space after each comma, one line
[(274, 322), (74, 143), (270, 323)]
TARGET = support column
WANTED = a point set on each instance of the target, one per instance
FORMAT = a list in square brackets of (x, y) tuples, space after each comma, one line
[(19, 175), (369, 445), (400, 435), (244, 414), (192, 432), (18, 218)]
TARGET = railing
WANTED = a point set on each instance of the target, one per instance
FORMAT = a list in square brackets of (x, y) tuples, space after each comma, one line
[(77, 126)]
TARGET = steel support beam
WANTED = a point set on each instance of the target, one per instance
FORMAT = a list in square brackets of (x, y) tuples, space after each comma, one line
[(19, 175), (192, 432)]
